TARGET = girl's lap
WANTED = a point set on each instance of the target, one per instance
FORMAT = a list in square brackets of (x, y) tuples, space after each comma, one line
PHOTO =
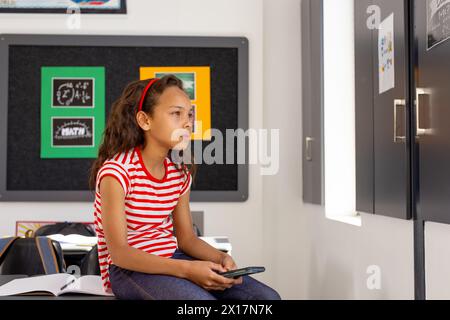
[(132, 285)]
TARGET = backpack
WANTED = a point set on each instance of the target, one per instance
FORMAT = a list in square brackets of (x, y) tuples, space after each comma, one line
[(87, 263), (30, 256)]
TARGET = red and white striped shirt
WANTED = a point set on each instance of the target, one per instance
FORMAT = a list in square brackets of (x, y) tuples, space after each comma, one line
[(148, 204)]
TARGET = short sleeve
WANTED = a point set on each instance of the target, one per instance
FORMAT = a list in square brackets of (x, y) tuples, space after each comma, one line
[(115, 170), (187, 183)]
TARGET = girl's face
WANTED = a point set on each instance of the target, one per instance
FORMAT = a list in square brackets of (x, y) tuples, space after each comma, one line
[(172, 120)]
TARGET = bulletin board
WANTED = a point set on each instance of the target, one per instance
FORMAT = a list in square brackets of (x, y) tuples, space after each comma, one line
[(55, 88)]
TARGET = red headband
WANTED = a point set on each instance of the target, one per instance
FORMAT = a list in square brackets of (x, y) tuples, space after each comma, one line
[(144, 93)]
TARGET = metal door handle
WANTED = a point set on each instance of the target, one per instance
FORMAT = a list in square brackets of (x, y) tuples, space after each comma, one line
[(399, 129), (309, 141), (421, 131)]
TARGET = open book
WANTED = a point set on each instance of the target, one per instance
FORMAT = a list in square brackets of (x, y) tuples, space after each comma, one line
[(54, 284)]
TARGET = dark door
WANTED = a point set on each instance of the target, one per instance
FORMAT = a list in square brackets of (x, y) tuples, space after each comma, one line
[(391, 177), (312, 62), (382, 159), (432, 20)]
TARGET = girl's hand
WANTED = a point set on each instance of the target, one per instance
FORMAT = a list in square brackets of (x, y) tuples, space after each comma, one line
[(229, 264), (204, 274)]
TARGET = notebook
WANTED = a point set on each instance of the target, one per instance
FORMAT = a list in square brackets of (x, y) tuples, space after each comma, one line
[(54, 284)]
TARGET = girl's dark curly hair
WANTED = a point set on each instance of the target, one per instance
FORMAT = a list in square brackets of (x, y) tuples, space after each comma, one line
[(122, 131)]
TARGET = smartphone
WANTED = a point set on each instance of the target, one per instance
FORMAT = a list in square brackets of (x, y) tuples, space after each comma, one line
[(242, 272)]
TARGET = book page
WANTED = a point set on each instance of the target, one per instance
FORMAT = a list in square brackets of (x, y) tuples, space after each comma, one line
[(87, 285), (51, 283)]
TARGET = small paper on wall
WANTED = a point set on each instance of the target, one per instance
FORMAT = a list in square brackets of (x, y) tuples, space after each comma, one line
[(386, 62)]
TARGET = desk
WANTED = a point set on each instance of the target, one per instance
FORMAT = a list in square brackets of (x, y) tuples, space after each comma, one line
[(73, 257)]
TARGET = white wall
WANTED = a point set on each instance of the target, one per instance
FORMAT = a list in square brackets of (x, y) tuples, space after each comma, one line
[(286, 233), (437, 260), (339, 109), (242, 222)]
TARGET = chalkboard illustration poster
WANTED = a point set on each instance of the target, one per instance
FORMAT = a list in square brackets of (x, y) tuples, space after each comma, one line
[(438, 22), (72, 111), (386, 54), (197, 84)]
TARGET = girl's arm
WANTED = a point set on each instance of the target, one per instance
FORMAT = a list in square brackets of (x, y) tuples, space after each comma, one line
[(188, 241), (115, 228)]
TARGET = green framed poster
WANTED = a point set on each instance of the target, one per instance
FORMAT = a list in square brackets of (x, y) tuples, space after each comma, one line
[(72, 111)]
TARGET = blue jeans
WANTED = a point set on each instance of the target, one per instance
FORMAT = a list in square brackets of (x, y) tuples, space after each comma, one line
[(131, 285)]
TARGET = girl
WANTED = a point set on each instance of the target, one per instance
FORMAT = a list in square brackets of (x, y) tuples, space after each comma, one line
[(141, 195)]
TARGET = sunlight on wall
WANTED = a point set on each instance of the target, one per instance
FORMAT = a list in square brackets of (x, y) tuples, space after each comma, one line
[(339, 112)]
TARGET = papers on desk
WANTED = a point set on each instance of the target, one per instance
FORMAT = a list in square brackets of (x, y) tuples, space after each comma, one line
[(220, 243), (74, 242)]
